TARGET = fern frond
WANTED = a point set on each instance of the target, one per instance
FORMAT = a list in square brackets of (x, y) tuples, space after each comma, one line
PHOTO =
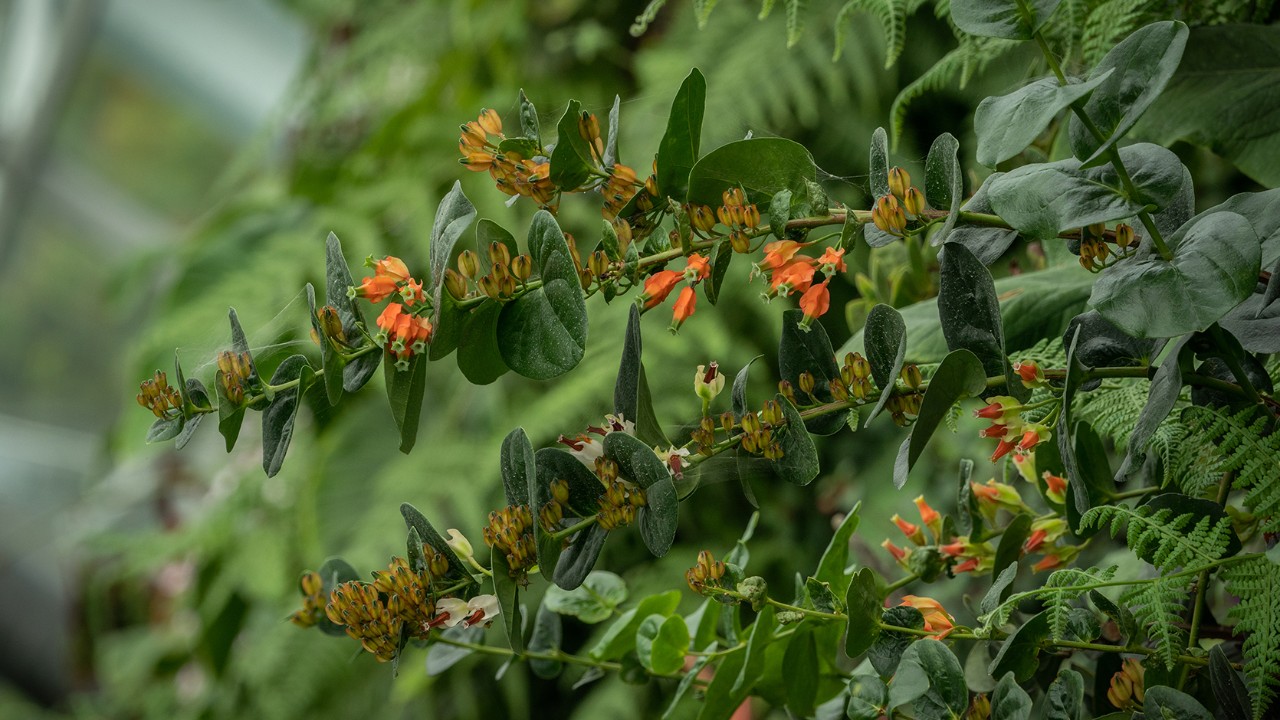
[(1157, 606), (1110, 22), (702, 10), (1062, 589), (892, 16), (1170, 541), (1246, 444), (1189, 463), (1113, 411), (973, 54), (1257, 583)]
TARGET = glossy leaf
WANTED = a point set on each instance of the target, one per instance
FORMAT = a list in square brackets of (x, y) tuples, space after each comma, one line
[(762, 167), (946, 695), (405, 391), (885, 338), (802, 350), (868, 697), (571, 160), (1142, 63), (1262, 210), (661, 644), (753, 656), (1006, 125), (577, 560), (1228, 687), (453, 217), (543, 333), (680, 144), (1020, 652), (1102, 344), (359, 370), (479, 354), (279, 416), (863, 604), (1008, 19), (886, 651), (415, 520), (959, 376), (969, 310), (799, 463), (721, 257), (659, 516), (518, 467), (1009, 549), (831, 567), (944, 183), (631, 398)]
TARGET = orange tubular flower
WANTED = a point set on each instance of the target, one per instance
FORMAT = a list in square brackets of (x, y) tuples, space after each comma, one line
[(1056, 487), (911, 530), (698, 268), (795, 276), (490, 122), (685, 305), (928, 515), (815, 302), (832, 260), (1048, 563), (936, 619), (899, 554), (779, 253), (658, 286)]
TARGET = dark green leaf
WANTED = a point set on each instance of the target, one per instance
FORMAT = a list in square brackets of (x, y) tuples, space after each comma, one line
[(886, 651), (868, 697), (571, 160), (579, 558), (1009, 19), (278, 417), (479, 355), (524, 147), (970, 311), (959, 376), (548, 633), (620, 637), (1065, 698), (661, 644), (1119, 614), (722, 697), (337, 280), (555, 463), (863, 603), (637, 462), (333, 572), (780, 213), (1001, 587), (594, 601), (1020, 652), (1214, 267), (528, 117), (739, 392), (686, 682), (1262, 210), (611, 139), (1228, 687), (631, 399), (1096, 483), (799, 463), (944, 183), (753, 657), (453, 217), (721, 256), (508, 593), (199, 397), (1009, 701), (1166, 386), (678, 151), (230, 415), (1102, 344), (447, 333), (760, 166), (879, 164), (415, 520), (802, 350), (166, 428), (1165, 702), (831, 567), (885, 337), (441, 657), (518, 467), (1142, 63), (802, 674), (947, 696), (405, 391), (543, 333), (1078, 489), (1009, 550), (330, 361), (1199, 509), (1006, 125)]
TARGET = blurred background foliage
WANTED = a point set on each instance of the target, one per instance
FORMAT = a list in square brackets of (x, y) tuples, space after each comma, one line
[(223, 142)]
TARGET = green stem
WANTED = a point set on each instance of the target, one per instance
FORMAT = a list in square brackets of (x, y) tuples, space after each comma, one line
[(556, 655), (805, 611), (582, 524), (901, 583)]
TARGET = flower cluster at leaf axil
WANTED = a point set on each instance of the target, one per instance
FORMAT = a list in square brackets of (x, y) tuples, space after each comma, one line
[(404, 327), (891, 211), (787, 271), (158, 396), (504, 276)]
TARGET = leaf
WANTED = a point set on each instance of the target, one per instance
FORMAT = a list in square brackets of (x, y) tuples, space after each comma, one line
[(1214, 267), (194, 393), (947, 696), (1044, 199), (594, 601), (686, 682), (1006, 125), (548, 634), (620, 637), (721, 257), (1020, 652), (802, 350), (577, 560), (659, 516), (795, 20), (518, 468), (441, 657), (678, 149), (1143, 64), (722, 696), (944, 183), (1009, 701), (333, 572), (863, 607), (357, 371), (753, 657), (1166, 386), (1165, 702), (661, 644), (799, 463), (970, 312), (553, 463), (831, 567), (631, 398), (1102, 344), (762, 167), (543, 332), (739, 391), (959, 376), (1096, 482), (405, 391), (1000, 588), (802, 672), (528, 117), (571, 160), (508, 594), (278, 417), (868, 697), (165, 428), (453, 217), (415, 520), (479, 355), (1066, 447), (1228, 687), (1065, 698), (885, 338), (886, 652), (330, 361), (1262, 210), (1119, 614), (1009, 549), (1008, 19)]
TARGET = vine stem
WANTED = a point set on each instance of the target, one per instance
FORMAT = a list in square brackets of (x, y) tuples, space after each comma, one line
[(901, 583), (1197, 606), (556, 656)]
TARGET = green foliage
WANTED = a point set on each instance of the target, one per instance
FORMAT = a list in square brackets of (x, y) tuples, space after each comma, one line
[(1157, 608), (1256, 582), (1241, 443), (1164, 537)]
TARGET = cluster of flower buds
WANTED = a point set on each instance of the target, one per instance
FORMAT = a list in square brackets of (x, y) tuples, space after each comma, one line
[(707, 572), (510, 532), (1096, 255), (890, 211), (235, 372), (742, 219), (979, 708), (618, 190), (758, 437), (552, 512), (506, 274), (158, 397), (620, 500), (330, 325), (408, 594), (1127, 690), (660, 284), (937, 620), (855, 379), (513, 173), (360, 609), (1008, 428), (313, 601)]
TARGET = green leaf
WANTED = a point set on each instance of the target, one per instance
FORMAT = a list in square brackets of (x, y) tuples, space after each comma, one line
[(528, 117), (333, 572), (1102, 344), (195, 394), (330, 361), (166, 428), (479, 355), (1142, 63), (959, 376), (631, 398), (453, 217), (795, 20), (1008, 19), (415, 520), (594, 601), (944, 183), (553, 463), (969, 310), (1096, 481), (988, 244), (686, 682), (1009, 701), (359, 370), (1001, 586), (661, 644), (610, 157), (799, 463), (1078, 489), (678, 149), (721, 257), (637, 462), (863, 604), (1009, 550), (762, 167), (885, 337), (577, 560), (447, 333), (753, 657), (571, 160), (1065, 698), (739, 391), (802, 350), (831, 567), (441, 657), (548, 634), (1119, 614), (802, 673), (230, 416), (1020, 652), (1165, 702), (508, 593), (722, 696), (524, 147), (518, 467), (1214, 267), (405, 391), (1228, 687), (1044, 199), (1006, 125), (1166, 386), (278, 417), (868, 697), (946, 696), (886, 651), (620, 637), (543, 333)]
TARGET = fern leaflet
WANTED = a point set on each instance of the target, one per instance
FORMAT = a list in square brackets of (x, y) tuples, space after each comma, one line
[(892, 16), (1245, 445), (1165, 540), (1061, 590), (1257, 583), (1157, 606)]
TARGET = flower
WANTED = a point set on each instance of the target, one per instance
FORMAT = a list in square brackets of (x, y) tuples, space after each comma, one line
[(972, 556), (1044, 531), (993, 496), (685, 305), (697, 268), (402, 333), (673, 458), (777, 254), (936, 619), (388, 273), (1001, 410), (708, 381), (1033, 435), (1030, 373), (458, 542), (795, 276), (1004, 447), (911, 530), (815, 302), (490, 122), (832, 261), (586, 448), (899, 554), (658, 286), (1056, 487), (929, 516), (477, 610)]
